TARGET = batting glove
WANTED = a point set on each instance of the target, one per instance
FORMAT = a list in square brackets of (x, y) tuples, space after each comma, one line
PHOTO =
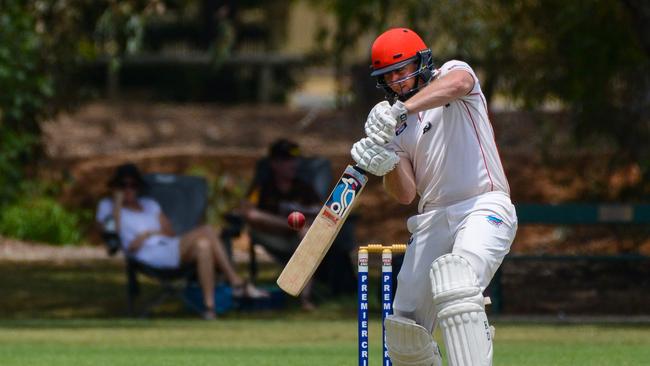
[(380, 125), (373, 158), (382, 121), (399, 112)]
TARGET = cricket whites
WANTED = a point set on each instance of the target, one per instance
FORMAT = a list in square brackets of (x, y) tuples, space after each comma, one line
[(323, 231)]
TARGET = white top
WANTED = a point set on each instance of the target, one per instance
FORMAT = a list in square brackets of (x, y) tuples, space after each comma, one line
[(156, 250), (452, 148)]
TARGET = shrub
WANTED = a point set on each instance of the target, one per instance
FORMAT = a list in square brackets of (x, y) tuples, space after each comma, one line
[(40, 219), (25, 90), (225, 192)]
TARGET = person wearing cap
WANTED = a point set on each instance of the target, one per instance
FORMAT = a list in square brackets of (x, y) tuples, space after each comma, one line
[(147, 235), (271, 198), (432, 138)]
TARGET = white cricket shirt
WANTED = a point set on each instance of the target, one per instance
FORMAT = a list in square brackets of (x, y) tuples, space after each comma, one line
[(156, 250), (452, 148)]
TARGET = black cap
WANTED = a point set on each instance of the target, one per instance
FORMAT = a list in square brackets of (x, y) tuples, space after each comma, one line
[(128, 170), (284, 149)]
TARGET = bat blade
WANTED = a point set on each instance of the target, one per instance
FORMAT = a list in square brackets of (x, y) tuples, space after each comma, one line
[(322, 232)]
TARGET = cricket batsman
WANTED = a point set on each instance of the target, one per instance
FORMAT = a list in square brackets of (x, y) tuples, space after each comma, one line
[(433, 138)]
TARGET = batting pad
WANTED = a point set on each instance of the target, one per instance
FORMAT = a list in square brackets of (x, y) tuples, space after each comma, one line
[(409, 344), (461, 313)]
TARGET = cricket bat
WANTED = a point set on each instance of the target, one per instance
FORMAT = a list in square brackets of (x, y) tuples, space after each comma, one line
[(322, 232)]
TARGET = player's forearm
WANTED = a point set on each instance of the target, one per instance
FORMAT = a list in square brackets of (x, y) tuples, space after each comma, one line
[(310, 211), (400, 182), (441, 91), (265, 220)]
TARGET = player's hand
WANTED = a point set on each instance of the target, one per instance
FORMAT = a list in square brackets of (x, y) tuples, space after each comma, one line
[(373, 158), (399, 112), (383, 120), (380, 125)]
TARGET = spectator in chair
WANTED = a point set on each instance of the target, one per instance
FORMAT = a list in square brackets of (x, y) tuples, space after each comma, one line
[(271, 200), (147, 235)]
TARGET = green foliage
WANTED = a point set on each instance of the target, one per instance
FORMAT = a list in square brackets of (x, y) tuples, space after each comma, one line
[(41, 45), (592, 56), (35, 215), (25, 90), (38, 51), (225, 192), (585, 54), (15, 149), (40, 219)]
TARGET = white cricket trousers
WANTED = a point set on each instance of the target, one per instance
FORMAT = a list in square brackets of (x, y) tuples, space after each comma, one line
[(481, 229)]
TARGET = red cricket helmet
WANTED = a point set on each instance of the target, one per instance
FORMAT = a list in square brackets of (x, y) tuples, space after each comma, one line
[(395, 49)]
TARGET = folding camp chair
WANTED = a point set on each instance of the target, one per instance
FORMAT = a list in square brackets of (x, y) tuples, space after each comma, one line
[(183, 199), (316, 171)]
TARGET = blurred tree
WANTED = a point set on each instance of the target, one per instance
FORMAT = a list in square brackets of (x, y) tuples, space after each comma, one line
[(586, 54), (591, 56), (639, 11), (352, 20), (25, 92), (41, 45), (119, 32)]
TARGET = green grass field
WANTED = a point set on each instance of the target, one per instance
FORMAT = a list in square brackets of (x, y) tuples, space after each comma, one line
[(74, 315), (288, 341)]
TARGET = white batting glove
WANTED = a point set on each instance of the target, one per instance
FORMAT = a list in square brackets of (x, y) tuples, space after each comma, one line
[(373, 158), (380, 125), (382, 121), (399, 112)]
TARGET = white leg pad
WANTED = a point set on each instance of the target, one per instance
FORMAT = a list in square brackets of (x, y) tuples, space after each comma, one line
[(409, 344), (461, 312)]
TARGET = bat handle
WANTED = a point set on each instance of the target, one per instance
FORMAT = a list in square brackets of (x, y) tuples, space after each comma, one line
[(360, 170)]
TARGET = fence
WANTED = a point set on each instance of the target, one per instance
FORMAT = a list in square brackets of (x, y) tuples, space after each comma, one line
[(594, 284)]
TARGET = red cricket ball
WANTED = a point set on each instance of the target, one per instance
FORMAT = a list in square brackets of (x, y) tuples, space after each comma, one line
[(296, 220)]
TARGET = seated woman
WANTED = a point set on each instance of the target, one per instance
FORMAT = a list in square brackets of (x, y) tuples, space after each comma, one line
[(147, 235)]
